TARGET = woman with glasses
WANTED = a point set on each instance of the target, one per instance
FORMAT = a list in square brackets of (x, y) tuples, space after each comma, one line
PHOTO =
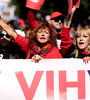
[(41, 43), (9, 49), (56, 21)]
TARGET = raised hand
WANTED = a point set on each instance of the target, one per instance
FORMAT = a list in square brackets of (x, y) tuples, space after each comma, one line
[(68, 19)]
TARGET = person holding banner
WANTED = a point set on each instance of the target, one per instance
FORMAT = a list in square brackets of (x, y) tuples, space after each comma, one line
[(41, 44), (82, 40)]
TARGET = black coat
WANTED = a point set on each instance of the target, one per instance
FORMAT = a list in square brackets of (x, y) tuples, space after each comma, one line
[(12, 51)]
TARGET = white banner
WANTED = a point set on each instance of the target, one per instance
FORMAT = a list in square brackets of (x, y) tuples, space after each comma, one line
[(51, 79)]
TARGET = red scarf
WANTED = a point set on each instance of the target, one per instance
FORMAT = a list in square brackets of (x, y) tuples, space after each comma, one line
[(84, 52), (42, 52)]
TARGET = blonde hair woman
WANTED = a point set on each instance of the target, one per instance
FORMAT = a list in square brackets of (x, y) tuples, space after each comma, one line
[(82, 40)]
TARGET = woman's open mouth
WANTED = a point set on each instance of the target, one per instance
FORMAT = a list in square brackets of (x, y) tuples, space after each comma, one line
[(42, 38), (81, 43)]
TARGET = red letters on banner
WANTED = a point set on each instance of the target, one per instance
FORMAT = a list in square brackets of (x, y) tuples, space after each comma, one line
[(50, 84), (63, 84), (29, 92), (80, 84)]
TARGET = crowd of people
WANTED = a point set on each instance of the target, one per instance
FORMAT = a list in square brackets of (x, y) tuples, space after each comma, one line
[(52, 39)]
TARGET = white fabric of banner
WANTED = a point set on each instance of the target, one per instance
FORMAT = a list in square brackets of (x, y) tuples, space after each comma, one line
[(50, 79)]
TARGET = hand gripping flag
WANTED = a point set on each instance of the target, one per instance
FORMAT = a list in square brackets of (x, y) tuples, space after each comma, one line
[(71, 3)]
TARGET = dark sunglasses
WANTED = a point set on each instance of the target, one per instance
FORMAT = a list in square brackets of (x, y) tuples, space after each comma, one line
[(57, 19), (6, 35)]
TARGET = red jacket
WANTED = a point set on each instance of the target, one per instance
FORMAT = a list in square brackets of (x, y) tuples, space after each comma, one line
[(66, 40), (31, 20), (23, 43), (68, 47)]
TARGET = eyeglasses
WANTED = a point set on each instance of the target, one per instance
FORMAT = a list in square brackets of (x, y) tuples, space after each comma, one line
[(6, 35), (60, 18)]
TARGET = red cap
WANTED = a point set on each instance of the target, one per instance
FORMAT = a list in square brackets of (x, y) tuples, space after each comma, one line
[(56, 14)]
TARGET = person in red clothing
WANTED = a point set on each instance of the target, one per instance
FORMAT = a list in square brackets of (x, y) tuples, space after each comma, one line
[(82, 38), (56, 21), (41, 44), (56, 18)]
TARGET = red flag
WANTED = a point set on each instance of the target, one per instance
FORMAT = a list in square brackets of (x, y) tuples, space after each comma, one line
[(71, 3), (76, 3), (34, 4)]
